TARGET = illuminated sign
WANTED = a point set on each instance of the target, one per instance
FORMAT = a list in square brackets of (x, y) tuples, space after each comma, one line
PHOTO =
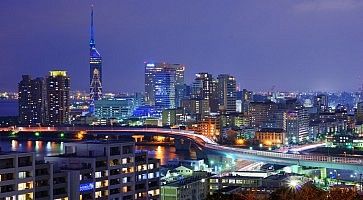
[(86, 187), (58, 73), (150, 65)]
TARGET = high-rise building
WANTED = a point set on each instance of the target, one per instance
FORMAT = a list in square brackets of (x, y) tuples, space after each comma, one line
[(57, 109), (181, 92), (297, 125), (172, 117), (95, 63), (247, 97), (359, 113), (226, 91), (31, 100), (197, 108), (204, 87), (261, 112), (321, 102), (161, 80)]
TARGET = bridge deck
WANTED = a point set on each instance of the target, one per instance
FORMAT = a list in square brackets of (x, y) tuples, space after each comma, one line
[(337, 162)]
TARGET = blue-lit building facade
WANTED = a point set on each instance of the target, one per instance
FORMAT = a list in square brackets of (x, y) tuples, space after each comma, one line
[(161, 80), (95, 62), (118, 108)]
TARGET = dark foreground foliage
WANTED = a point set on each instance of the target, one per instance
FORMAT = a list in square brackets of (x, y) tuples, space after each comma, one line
[(305, 192)]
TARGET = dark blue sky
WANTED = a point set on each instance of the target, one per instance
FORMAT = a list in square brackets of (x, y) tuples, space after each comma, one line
[(294, 45)]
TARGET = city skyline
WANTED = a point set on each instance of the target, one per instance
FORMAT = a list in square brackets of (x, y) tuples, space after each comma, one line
[(277, 40)]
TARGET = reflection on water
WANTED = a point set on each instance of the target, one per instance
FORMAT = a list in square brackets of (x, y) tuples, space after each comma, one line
[(47, 148), (165, 153), (51, 148)]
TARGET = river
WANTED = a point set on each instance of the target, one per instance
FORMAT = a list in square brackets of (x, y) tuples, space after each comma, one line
[(47, 148)]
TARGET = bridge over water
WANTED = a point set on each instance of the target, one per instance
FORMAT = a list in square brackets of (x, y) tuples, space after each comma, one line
[(205, 143)]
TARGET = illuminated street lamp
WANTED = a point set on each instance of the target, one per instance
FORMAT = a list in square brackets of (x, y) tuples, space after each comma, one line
[(294, 184)]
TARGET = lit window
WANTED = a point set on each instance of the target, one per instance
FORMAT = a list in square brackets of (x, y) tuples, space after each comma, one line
[(25, 186), (22, 174), (124, 179), (98, 194)]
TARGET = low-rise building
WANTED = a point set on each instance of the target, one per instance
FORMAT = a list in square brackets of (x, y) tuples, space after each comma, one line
[(242, 179), (193, 187), (271, 136)]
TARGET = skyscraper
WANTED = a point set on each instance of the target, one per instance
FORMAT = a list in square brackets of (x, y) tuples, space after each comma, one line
[(57, 109), (31, 100), (321, 102), (204, 87), (226, 91), (161, 80), (95, 63)]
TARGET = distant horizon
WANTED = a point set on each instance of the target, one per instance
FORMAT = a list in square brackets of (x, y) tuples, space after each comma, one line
[(255, 91)]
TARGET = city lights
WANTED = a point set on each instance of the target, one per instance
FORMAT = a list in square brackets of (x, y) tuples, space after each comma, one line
[(248, 110)]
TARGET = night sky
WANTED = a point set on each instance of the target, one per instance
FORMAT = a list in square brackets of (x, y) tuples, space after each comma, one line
[(294, 45)]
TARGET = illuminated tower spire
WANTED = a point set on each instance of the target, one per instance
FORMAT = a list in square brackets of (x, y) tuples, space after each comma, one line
[(92, 42), (95, 63)]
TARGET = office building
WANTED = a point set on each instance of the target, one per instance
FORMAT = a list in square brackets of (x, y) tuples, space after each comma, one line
[(359, 113), (57, 108), (322, 103), (172, 117), (247, 98), (32, 95), (182, 92), (95, 62), (161, 80), (297, 125), (118, 108), (204, 87), (226, 92), (197, 108), (261, 112)]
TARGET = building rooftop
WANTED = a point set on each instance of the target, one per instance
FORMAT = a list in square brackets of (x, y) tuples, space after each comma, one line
[(228, 189), (186, 181), (13, 152), (272, 130), (119, 141)]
